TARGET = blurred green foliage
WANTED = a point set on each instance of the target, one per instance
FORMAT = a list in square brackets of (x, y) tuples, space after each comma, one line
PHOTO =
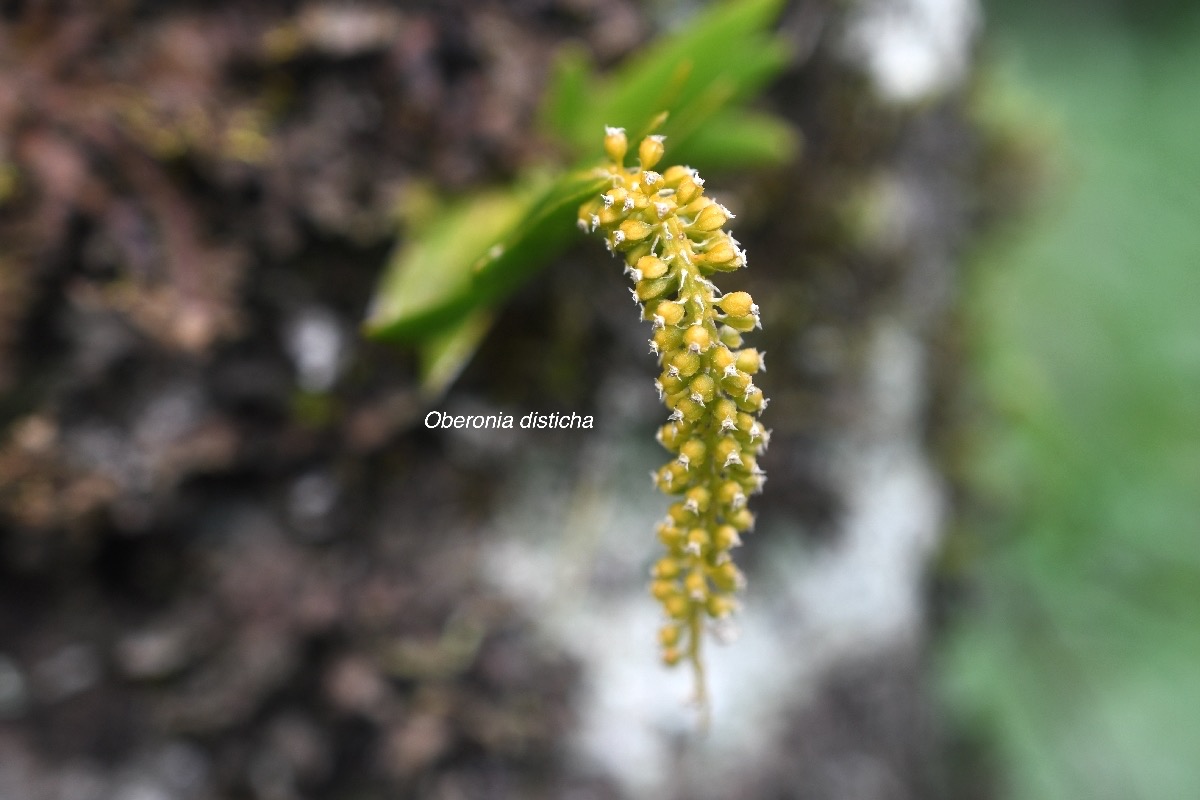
[(1080, 658), (445, 277)]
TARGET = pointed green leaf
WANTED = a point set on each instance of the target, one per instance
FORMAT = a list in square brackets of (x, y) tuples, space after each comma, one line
[(568, 93), (476, 251), (741, 139), (428, 280), (545, 229), (445, 354), (728, 42)]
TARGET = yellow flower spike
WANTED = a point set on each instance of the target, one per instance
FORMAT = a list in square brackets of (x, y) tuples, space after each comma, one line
[(672, 238)]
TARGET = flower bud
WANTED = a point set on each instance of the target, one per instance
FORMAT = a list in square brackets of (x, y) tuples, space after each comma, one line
[(651, 267), (615, 144), (735, 383), (695, 585), (751, 400), (610, 216), (675, 174), (719, 256), (719, 606), (680, 515), (697, 541), (671, 312), (695, 450), (737, 304), (729, 492), (686, 362), (698, 498), (726, 450), (676, 606), (672, 655), (710, 219), (671, 537), (725, 409), (749, 462), (726, 537), (749, 360), (742, 519), (665, 569), (615, 197), (669, 635), (690, 409), (703, 387), (661, 590), (687, 192), (697, 338), (635, 230), (669, 436), (650, 151), (727, 577), (672, 478)]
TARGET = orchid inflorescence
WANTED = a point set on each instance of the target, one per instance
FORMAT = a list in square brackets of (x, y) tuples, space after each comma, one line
[(672, 239)]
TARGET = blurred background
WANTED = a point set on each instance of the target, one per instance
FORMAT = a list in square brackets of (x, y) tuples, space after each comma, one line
[(235, 564)]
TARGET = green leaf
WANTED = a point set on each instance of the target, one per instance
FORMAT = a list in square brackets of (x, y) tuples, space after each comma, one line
[(446, 354), (741, 139), (474, 253), (729, 42), (543, 232), (568, 92), (428, 281)]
